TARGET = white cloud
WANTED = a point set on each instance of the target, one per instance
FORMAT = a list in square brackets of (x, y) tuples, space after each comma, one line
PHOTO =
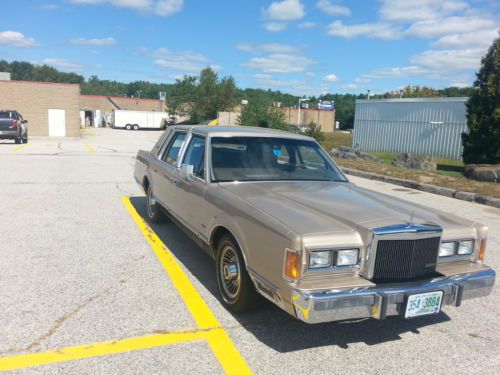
[(449, 60), (275, 26), (332, 9), (16, 39), (94, 41), (285, 10), (481, 38), (330, 78), (279, 63), (405, 71), (419, 10), (168, 7), (450, 25), (362, 80), (306, 25), (184, 61), (63, 64), (268, 48), (351, 87), (310, 74), (158, 7), (293, 86), (49, 7), (369, 30)]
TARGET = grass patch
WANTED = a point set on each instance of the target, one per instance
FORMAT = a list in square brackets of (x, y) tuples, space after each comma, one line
[(450, 172)]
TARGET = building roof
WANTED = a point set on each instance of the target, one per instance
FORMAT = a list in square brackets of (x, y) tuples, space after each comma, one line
[(412, 100)]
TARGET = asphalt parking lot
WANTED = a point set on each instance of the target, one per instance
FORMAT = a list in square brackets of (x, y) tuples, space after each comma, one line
[(87, 287)]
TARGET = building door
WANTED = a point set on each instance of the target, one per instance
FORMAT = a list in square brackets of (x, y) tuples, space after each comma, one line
[(57, 123)]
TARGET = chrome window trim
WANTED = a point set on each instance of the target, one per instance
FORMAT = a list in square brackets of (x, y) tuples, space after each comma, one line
[(184, 148), (406, 231)]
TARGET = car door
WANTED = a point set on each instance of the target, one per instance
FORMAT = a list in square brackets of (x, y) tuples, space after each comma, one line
[(190, 190), (165, 172)]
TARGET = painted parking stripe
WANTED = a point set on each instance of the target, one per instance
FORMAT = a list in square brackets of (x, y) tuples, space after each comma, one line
[(89, 147), (219, 341), (17, 148), (209, 328), (99, 349)]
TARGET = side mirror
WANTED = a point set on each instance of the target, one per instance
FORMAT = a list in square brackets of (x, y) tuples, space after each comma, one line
[(186, 170), (25, 121)]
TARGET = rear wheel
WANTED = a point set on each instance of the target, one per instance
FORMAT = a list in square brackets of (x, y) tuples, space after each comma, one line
[(235, 286), (154, 210), (128, 126), (18, 140), (25, 138), (136, 127)]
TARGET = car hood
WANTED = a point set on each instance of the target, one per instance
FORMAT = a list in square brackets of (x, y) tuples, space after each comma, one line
[(309, 207)]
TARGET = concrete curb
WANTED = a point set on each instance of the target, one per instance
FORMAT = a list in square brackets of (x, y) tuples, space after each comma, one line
[(452, 193)]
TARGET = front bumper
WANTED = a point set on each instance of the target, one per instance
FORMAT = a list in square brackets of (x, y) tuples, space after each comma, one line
[(386, 300)]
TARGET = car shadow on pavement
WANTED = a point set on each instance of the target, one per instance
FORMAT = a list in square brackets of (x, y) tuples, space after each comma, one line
[(271, 325)]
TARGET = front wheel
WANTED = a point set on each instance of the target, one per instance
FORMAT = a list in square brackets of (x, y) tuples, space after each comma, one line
[(128, 126), (235, 286), (154, 210)]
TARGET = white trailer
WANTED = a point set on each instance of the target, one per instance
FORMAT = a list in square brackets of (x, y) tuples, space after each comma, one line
[(123, 119)]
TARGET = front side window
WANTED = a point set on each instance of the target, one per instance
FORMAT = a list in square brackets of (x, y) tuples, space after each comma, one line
[(174, 147), (270, 159), (195, 155)]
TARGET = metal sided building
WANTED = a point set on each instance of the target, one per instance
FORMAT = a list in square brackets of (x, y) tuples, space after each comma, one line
[(427, 126)]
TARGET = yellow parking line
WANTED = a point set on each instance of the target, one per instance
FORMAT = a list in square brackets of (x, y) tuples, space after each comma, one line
[(17, 148), (208, 327), (219, 341), (90, 148), (96, 350)]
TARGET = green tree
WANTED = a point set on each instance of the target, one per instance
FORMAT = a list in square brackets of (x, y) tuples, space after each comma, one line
[(259, 113), (482, 141), (314, 130)]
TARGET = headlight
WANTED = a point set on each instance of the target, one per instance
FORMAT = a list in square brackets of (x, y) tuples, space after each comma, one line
[(447, 249), (347, 257), (320, 259), (465, 247)]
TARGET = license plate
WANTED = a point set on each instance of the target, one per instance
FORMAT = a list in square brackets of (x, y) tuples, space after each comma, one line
[(423, 304)]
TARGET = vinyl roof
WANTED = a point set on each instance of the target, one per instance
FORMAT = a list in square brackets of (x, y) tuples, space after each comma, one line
[(248, 131)]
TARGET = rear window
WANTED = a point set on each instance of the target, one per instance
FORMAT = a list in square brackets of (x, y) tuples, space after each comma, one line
[(4, 114)]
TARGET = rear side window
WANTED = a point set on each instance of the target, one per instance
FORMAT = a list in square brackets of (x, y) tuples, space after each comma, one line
[(195, 156), (172, 152)]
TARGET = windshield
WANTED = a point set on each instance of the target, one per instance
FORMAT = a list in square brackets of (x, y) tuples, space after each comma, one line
[(270, 159)]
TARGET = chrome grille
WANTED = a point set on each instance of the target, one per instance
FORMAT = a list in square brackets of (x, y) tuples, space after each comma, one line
[(405, 260)]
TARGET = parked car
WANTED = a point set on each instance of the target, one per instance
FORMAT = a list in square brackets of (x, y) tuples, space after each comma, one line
[(282, 221), (13, 126)]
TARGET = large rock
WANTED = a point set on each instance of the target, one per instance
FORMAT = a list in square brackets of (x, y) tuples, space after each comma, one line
[(483, 172), (346, 152), (421, 162)]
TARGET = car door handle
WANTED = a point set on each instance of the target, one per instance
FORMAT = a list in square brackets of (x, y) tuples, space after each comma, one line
[(175, 181)]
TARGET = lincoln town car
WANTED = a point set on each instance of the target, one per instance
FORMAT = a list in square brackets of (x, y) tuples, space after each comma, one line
[(282, 221)]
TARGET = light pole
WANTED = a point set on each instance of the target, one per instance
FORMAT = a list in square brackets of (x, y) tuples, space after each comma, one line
[(300, 101), (369, 94)]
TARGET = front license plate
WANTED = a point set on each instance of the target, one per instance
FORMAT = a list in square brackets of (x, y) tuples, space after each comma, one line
[(423, 304)]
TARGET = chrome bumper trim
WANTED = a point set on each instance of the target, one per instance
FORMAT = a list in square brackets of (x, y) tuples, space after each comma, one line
[(386, 300)]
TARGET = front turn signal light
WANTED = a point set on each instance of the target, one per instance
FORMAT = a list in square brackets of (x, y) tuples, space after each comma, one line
[(482, 249), (292, 265)]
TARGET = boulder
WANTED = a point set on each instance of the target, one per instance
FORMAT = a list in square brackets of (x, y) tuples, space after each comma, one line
[(345, 152), (421, 162), (483, 172)]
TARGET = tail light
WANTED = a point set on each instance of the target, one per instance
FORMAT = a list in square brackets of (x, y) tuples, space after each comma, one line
[(14, 123)]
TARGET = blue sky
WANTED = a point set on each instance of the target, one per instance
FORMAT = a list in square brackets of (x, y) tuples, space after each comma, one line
[(305, 47)]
